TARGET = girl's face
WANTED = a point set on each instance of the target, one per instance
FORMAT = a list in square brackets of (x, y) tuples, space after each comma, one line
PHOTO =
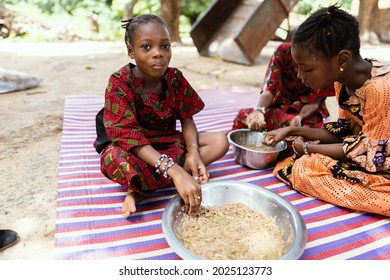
[(315, 71), (151, 50)]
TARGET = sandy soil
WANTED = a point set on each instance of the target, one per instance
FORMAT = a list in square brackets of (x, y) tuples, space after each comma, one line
[(31, 122)]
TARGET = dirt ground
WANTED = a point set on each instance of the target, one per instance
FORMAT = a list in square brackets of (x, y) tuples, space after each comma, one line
[(31, 121)]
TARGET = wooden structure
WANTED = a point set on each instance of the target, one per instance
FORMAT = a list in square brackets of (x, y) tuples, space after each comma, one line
[(237, 30)]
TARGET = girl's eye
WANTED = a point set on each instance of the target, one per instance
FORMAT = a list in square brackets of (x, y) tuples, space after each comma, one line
[(166, 46), (305, 70), (145, 47)]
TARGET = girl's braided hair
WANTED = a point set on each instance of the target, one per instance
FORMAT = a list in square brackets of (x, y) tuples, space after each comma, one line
[(131, 25), (329, 30)]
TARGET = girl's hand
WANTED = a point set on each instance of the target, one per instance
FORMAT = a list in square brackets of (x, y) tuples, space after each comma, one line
[(196, 165), (271, 138), (298, 144), (189, 189), (256, 120), (296, 121)]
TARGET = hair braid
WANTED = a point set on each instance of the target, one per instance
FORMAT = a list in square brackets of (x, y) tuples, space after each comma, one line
[(329, 30), (131, 25)]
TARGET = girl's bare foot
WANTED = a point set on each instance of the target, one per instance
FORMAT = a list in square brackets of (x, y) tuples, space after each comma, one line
[(129, 205)]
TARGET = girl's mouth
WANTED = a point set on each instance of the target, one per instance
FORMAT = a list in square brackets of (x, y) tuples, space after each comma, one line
[(158, 66)]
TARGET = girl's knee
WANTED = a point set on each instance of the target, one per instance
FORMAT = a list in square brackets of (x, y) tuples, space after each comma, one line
[(225, 140), (112, 160), (215, 145), (222, 142)]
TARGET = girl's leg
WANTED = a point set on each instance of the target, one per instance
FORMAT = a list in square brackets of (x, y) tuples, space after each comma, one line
[(212, 146), (115, 165), (131, 200)]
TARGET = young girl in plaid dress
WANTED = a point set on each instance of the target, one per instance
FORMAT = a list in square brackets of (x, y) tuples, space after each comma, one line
[(138, 141)]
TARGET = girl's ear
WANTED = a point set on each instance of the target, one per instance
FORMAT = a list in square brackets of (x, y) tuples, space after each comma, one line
[(344, 58), (130, 52)]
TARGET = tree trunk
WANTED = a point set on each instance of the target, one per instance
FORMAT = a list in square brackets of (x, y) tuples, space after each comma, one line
[(6, 19), (128, 9), (368, 10), (170, 12)]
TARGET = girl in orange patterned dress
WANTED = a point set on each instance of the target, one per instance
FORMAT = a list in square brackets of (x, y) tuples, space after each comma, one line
[(346, 163)]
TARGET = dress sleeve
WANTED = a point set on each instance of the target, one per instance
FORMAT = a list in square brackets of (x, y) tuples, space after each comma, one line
[(120, 114), (329, 91), (370, 148), (273, 75), (187, 100)]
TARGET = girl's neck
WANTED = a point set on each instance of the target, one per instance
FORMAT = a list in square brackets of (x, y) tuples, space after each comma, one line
[(154, 85), (358, 72)]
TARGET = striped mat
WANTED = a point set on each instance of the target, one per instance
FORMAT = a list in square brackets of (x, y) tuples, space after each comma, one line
[(89, 224)]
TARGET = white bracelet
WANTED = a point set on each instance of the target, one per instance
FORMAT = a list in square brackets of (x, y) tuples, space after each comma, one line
[(168, 165), (158, 163), (260, 108), (304, 146)]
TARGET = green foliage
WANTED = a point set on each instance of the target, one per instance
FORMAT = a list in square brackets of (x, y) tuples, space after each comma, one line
[(147, 7), (141, 7), (305, 7), (70, 6), (12, 2), (193, 8), (49, 21)]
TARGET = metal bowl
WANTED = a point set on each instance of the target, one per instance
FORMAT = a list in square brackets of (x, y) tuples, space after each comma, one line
[(241, 139), (258, 198)]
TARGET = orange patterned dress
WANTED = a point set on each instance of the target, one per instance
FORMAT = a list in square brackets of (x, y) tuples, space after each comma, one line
[(363, 183)]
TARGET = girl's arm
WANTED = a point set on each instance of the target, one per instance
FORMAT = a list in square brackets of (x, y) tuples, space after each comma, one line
[(190, 133), (193, 159), (306, 111), (188, 188), (324, 142), (313, 134), (334, 151), (147, 154), (265, 99)]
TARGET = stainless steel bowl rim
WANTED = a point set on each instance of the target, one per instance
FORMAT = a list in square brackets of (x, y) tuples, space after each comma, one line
[(283, 145), (297, 247)]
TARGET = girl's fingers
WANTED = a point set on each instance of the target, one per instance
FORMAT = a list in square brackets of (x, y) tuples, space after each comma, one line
[(195, 202)]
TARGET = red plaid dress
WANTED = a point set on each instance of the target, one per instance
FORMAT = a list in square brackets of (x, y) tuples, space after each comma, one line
[(290, 94), (133, 117)]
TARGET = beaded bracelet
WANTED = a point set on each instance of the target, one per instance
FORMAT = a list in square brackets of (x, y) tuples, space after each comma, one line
[(168, 165), (158, 163), (305, 148)]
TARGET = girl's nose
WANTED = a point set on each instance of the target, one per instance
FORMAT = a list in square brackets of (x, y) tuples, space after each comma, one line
[(299, 74), (157, 53)]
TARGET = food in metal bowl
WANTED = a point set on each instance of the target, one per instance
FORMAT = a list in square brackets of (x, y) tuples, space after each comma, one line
[(224, 192), (249, 151), (232, 232), (259, 148)]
